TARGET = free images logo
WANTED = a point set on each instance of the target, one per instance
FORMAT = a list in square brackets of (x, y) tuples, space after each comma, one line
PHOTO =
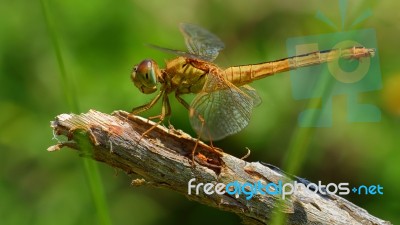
[(249, 190)]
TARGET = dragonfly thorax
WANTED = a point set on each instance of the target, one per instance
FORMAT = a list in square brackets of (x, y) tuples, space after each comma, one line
[(145, 76), (184, 76)]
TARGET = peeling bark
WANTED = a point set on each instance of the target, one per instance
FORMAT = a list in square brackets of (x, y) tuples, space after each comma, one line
[(163, 158)]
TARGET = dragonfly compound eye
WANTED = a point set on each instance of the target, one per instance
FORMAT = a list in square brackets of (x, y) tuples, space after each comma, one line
[(144, 76)]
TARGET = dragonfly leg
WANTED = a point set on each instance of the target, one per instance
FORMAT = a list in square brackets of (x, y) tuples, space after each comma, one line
[(147, 106), (191, 112), (198, 138), (201, 119), (182, 101), (165, 112)]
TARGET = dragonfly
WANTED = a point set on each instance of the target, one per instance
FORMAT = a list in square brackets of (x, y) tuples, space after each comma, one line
[(224, 101)]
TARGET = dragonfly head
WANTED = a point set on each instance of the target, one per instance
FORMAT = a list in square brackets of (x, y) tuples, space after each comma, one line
[(145, 75)]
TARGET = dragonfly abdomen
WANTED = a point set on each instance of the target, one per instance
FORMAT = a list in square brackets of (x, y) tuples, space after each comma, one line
[(240, 75)]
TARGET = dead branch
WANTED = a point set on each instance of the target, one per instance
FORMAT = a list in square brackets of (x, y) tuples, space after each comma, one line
[(163, 159)]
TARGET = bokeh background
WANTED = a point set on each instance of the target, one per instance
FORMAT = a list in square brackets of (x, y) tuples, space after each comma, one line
[(100, 41)]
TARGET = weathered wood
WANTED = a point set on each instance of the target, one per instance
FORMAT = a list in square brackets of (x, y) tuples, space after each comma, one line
[(163, 159)]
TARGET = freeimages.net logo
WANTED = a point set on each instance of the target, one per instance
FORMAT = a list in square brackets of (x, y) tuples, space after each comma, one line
[(249, 190)]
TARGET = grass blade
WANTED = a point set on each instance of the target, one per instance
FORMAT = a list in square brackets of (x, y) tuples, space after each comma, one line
[(91, 168)]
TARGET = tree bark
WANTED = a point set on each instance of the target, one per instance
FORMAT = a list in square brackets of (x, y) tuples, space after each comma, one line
[(163, 157)]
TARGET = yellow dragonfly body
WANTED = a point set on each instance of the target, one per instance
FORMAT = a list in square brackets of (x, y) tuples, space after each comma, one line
[(224, 102)]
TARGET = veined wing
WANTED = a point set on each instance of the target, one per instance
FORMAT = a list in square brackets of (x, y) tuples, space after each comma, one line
[(201, 42), (173, 51), (225, 108)]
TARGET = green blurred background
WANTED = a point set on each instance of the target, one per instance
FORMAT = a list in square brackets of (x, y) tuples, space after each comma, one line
[(100, 41)]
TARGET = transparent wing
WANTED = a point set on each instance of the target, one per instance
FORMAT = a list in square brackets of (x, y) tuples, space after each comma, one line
[(201, 42), (251, 92), (222, 109), (173, 51)]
